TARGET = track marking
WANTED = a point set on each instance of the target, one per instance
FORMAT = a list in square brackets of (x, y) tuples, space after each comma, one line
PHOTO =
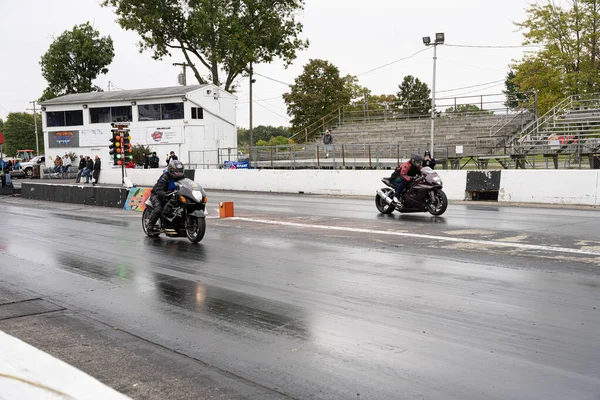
[(428, 237)]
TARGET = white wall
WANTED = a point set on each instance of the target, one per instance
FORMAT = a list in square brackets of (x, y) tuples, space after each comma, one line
[(550, 187), (359, 183), (523, 186)]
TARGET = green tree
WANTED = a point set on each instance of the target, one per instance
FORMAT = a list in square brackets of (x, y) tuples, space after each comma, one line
[(464, 108), (514, 97), (261, 132), (568, 60), (1, 124), (318, 91), (137, 153), (74, 60), (217, 35), (19, 132), (414, 96)]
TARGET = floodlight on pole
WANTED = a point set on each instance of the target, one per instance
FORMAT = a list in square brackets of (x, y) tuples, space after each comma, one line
[(439, 39)]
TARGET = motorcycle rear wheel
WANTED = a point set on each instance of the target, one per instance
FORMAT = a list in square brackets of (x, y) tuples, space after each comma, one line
[(145, 218), (195, 228), (382, 206), (439, 206)]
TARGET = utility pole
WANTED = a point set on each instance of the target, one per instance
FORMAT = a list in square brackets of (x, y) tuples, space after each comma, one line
[(184, 65), (37, 141), (251, 133)]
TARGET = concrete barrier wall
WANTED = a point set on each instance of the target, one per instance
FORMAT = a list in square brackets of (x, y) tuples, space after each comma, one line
[(543, 186), (550, 187)]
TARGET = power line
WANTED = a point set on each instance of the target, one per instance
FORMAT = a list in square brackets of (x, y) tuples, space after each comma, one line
[(393, 62), (271, 79), (15, 118), (273, 112), (478, 90), (470, 65), (469, 87), (493, 46), (248, 100)]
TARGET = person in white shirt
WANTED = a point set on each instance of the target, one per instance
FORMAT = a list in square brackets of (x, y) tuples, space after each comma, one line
[(66, 163)]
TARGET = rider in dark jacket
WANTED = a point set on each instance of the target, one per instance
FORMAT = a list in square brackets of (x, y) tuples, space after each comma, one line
[(405, 173), (165, 183)]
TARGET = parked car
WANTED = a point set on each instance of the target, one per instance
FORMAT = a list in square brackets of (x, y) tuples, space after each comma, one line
[(27, 167)]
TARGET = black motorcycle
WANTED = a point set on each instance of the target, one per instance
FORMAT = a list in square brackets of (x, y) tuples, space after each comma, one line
[(183, 215), (425, 194)]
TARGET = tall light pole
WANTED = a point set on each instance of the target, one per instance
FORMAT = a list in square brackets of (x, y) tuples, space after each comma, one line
[(37, 141), (439, 39), (252, 80)]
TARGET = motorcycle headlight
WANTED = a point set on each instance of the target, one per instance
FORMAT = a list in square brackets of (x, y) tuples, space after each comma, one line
[(437, 179), (197, 195)]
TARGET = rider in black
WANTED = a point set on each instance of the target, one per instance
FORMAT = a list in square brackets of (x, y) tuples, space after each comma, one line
[(165, 183)]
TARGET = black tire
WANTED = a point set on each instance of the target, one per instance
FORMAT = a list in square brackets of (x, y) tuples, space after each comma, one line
[(145, 218), (195, 228), (29, 172), (382, 206), (441, 203)]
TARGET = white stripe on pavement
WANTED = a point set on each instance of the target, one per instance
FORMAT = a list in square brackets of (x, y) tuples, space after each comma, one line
[(428, 237)]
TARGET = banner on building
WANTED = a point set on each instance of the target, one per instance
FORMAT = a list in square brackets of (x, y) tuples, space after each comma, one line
[(236, 164), (60, 139), (164, 135)]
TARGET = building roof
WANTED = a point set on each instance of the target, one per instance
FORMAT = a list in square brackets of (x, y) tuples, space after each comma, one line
[(122, 95)]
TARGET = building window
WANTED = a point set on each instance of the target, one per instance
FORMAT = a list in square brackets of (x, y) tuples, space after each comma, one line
[(156, 112), (197, 113), (64, 118), (101, 115)]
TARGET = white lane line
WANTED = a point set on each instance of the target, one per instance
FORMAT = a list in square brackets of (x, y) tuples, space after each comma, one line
[(428, 237)]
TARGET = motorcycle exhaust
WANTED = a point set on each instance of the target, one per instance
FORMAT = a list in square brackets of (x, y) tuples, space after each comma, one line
[(384, 196)]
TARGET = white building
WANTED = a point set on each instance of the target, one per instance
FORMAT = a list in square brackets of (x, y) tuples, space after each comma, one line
[(192, 121)]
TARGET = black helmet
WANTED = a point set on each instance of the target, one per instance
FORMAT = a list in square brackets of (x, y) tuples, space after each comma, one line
[(416, 160), (175, 170), (427, 153)]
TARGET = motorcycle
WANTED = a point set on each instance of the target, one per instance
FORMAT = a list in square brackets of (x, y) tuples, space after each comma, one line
[(183, 215), (425, 194)]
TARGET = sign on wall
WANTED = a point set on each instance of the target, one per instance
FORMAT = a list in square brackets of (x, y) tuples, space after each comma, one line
[(60, 139), (136, 200), (164, 135), (94, 137)]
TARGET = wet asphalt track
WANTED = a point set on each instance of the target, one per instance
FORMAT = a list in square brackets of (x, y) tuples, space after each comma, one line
[(305, 312)]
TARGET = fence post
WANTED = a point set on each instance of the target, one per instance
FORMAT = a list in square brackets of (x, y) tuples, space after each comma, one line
[(398, 153), (271, 151), (370, 162), (306, 135), (318, 158), (343, 157), (339, 116), (218, 158)]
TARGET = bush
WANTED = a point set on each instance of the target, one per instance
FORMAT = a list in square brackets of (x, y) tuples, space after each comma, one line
[(137, 152)]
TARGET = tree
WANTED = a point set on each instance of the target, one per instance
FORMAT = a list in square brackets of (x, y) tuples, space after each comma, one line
[(137, 153), (19, 132), (414, 96), (464, 108), (217, 35), (74, 60), (569, 57), (1, 124), (318, 91), (514, 97), (261, 132)]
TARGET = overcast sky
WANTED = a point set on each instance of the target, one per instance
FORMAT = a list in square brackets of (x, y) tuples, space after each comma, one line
[(355, 35)]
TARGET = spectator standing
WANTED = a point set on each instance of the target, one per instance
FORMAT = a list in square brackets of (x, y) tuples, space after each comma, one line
[(428, 161), (172, 157), (97, 167), (82, 165), (89, 167), (145, 161), (154, 160), (327, 141)]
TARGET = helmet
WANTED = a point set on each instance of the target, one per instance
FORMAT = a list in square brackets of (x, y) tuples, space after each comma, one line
[(175, 170), (427, 153), (416, 160)]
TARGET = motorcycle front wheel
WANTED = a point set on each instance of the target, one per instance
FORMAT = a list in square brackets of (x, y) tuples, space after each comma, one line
[(382, 205), (195, 228), (439, 204), (145, 219)]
